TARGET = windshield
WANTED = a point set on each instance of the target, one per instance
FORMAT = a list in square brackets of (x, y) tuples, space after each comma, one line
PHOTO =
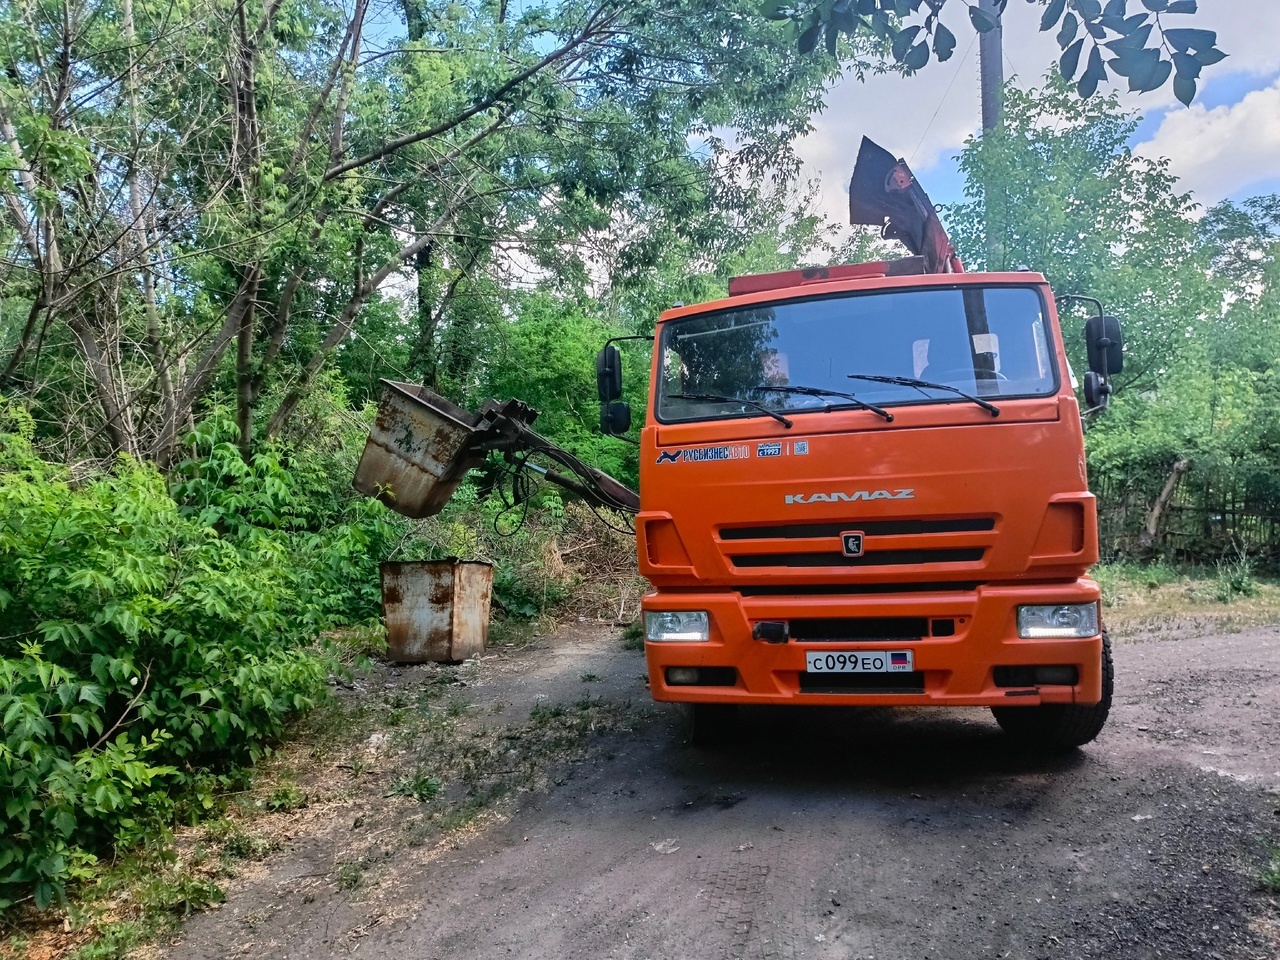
[(818, 354)]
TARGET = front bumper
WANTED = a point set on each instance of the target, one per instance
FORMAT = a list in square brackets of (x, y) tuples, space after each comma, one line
[(957, 670)]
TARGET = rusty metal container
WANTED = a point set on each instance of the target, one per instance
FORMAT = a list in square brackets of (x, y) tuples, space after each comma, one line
[(417, 452), (436, 611)]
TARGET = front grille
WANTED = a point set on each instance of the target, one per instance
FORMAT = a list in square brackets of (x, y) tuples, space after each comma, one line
[(862, 682), (878, 558), (843, 589), (872, 528), (860, 628)]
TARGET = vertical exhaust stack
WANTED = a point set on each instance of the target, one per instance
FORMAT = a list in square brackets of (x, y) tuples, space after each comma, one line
[(884, 193)]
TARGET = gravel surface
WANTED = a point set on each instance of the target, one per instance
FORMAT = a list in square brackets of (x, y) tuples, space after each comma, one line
[(886, 834)]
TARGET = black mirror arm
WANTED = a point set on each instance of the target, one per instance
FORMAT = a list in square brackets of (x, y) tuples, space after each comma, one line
[(637, 336), (1077, 296)]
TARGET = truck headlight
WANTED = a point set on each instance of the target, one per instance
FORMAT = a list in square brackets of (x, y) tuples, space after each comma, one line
[(1050, 621), (686, 625)]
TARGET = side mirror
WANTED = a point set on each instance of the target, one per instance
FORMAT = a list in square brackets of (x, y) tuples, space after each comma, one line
[(609, 374), (615, 418), (1105, 342), (1097, 391)]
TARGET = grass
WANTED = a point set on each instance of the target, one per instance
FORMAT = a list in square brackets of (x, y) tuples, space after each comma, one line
[(1271, 873), (633, 636), (419, 785), (357, 643), (1156, 598), (513, 633), (349, 876), (140, 898), (285, 798), (233, 841)]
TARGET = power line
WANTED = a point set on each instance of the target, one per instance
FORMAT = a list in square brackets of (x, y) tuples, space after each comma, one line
[(942, 102)]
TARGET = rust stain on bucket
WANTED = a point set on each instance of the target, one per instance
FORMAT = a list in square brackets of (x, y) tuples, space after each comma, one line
[(417, 452), (436, 611)]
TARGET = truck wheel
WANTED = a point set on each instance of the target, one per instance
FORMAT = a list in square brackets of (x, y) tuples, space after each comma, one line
[(1061, 726), (713, 724)]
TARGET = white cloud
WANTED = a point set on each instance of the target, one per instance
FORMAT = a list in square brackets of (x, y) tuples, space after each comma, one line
[(1221, 151), (1247, 30)]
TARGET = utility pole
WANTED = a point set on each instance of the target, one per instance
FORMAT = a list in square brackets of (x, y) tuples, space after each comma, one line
[(991, 73), (991, 66)]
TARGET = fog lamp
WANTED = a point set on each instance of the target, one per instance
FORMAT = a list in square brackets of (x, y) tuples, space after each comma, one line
[(682, 676), (1058, 676)]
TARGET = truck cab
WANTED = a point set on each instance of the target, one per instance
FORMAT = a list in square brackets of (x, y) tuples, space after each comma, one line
[(866, 486)]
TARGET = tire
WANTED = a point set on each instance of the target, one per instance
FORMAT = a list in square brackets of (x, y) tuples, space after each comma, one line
[(1059, 727), (713, 724)]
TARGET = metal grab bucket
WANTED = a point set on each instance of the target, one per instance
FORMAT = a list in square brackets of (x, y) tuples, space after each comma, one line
[(418, 450), (436, 611)]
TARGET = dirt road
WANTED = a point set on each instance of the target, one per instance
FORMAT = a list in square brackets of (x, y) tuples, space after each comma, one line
[(886, 834)]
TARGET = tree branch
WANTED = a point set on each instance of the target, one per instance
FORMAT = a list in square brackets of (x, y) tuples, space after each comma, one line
[(481, 105), (342, 326)]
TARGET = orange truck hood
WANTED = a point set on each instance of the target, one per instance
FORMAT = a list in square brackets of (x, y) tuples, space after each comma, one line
[(944, 494)]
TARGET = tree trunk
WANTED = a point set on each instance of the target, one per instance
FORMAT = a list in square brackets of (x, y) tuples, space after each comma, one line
[(101, 372), (24, 341), (142, 219), (248, 157), (195, 384), (1151, 529)]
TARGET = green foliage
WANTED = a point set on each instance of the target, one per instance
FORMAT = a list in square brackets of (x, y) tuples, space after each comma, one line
[(350, 876), (546, 359), (570, 141), (1058, 190), (633, 636), (152, 640), (519, 541), (418, 786), (284, 799), (1118, 42), (295, 503), (1235, 579), (238, 843), (117, 941), (1120, 578), (1271, 873)]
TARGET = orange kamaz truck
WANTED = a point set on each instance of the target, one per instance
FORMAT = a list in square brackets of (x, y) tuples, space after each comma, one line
[(865, 485), (859, 485)]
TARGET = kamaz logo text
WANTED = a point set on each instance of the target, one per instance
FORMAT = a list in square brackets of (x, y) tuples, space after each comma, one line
[(841, 497)]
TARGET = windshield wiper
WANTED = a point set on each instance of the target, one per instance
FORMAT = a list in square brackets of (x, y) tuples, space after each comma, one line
[(926, 384), (720, 398), (820, 392)]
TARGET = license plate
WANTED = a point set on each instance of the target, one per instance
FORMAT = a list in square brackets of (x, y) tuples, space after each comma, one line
[(860, 661)]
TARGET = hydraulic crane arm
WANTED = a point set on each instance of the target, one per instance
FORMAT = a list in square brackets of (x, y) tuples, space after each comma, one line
[(421, 447), (884, 193)]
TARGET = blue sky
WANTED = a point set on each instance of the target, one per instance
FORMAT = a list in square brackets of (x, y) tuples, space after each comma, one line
[(1226, 146)]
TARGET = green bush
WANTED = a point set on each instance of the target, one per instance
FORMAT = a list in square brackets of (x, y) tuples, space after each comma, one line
[(1271, 873), (153, 641), (298, 500), (1235, 579)]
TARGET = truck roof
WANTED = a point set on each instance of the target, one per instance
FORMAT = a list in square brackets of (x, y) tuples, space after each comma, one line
[(857, 277)]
